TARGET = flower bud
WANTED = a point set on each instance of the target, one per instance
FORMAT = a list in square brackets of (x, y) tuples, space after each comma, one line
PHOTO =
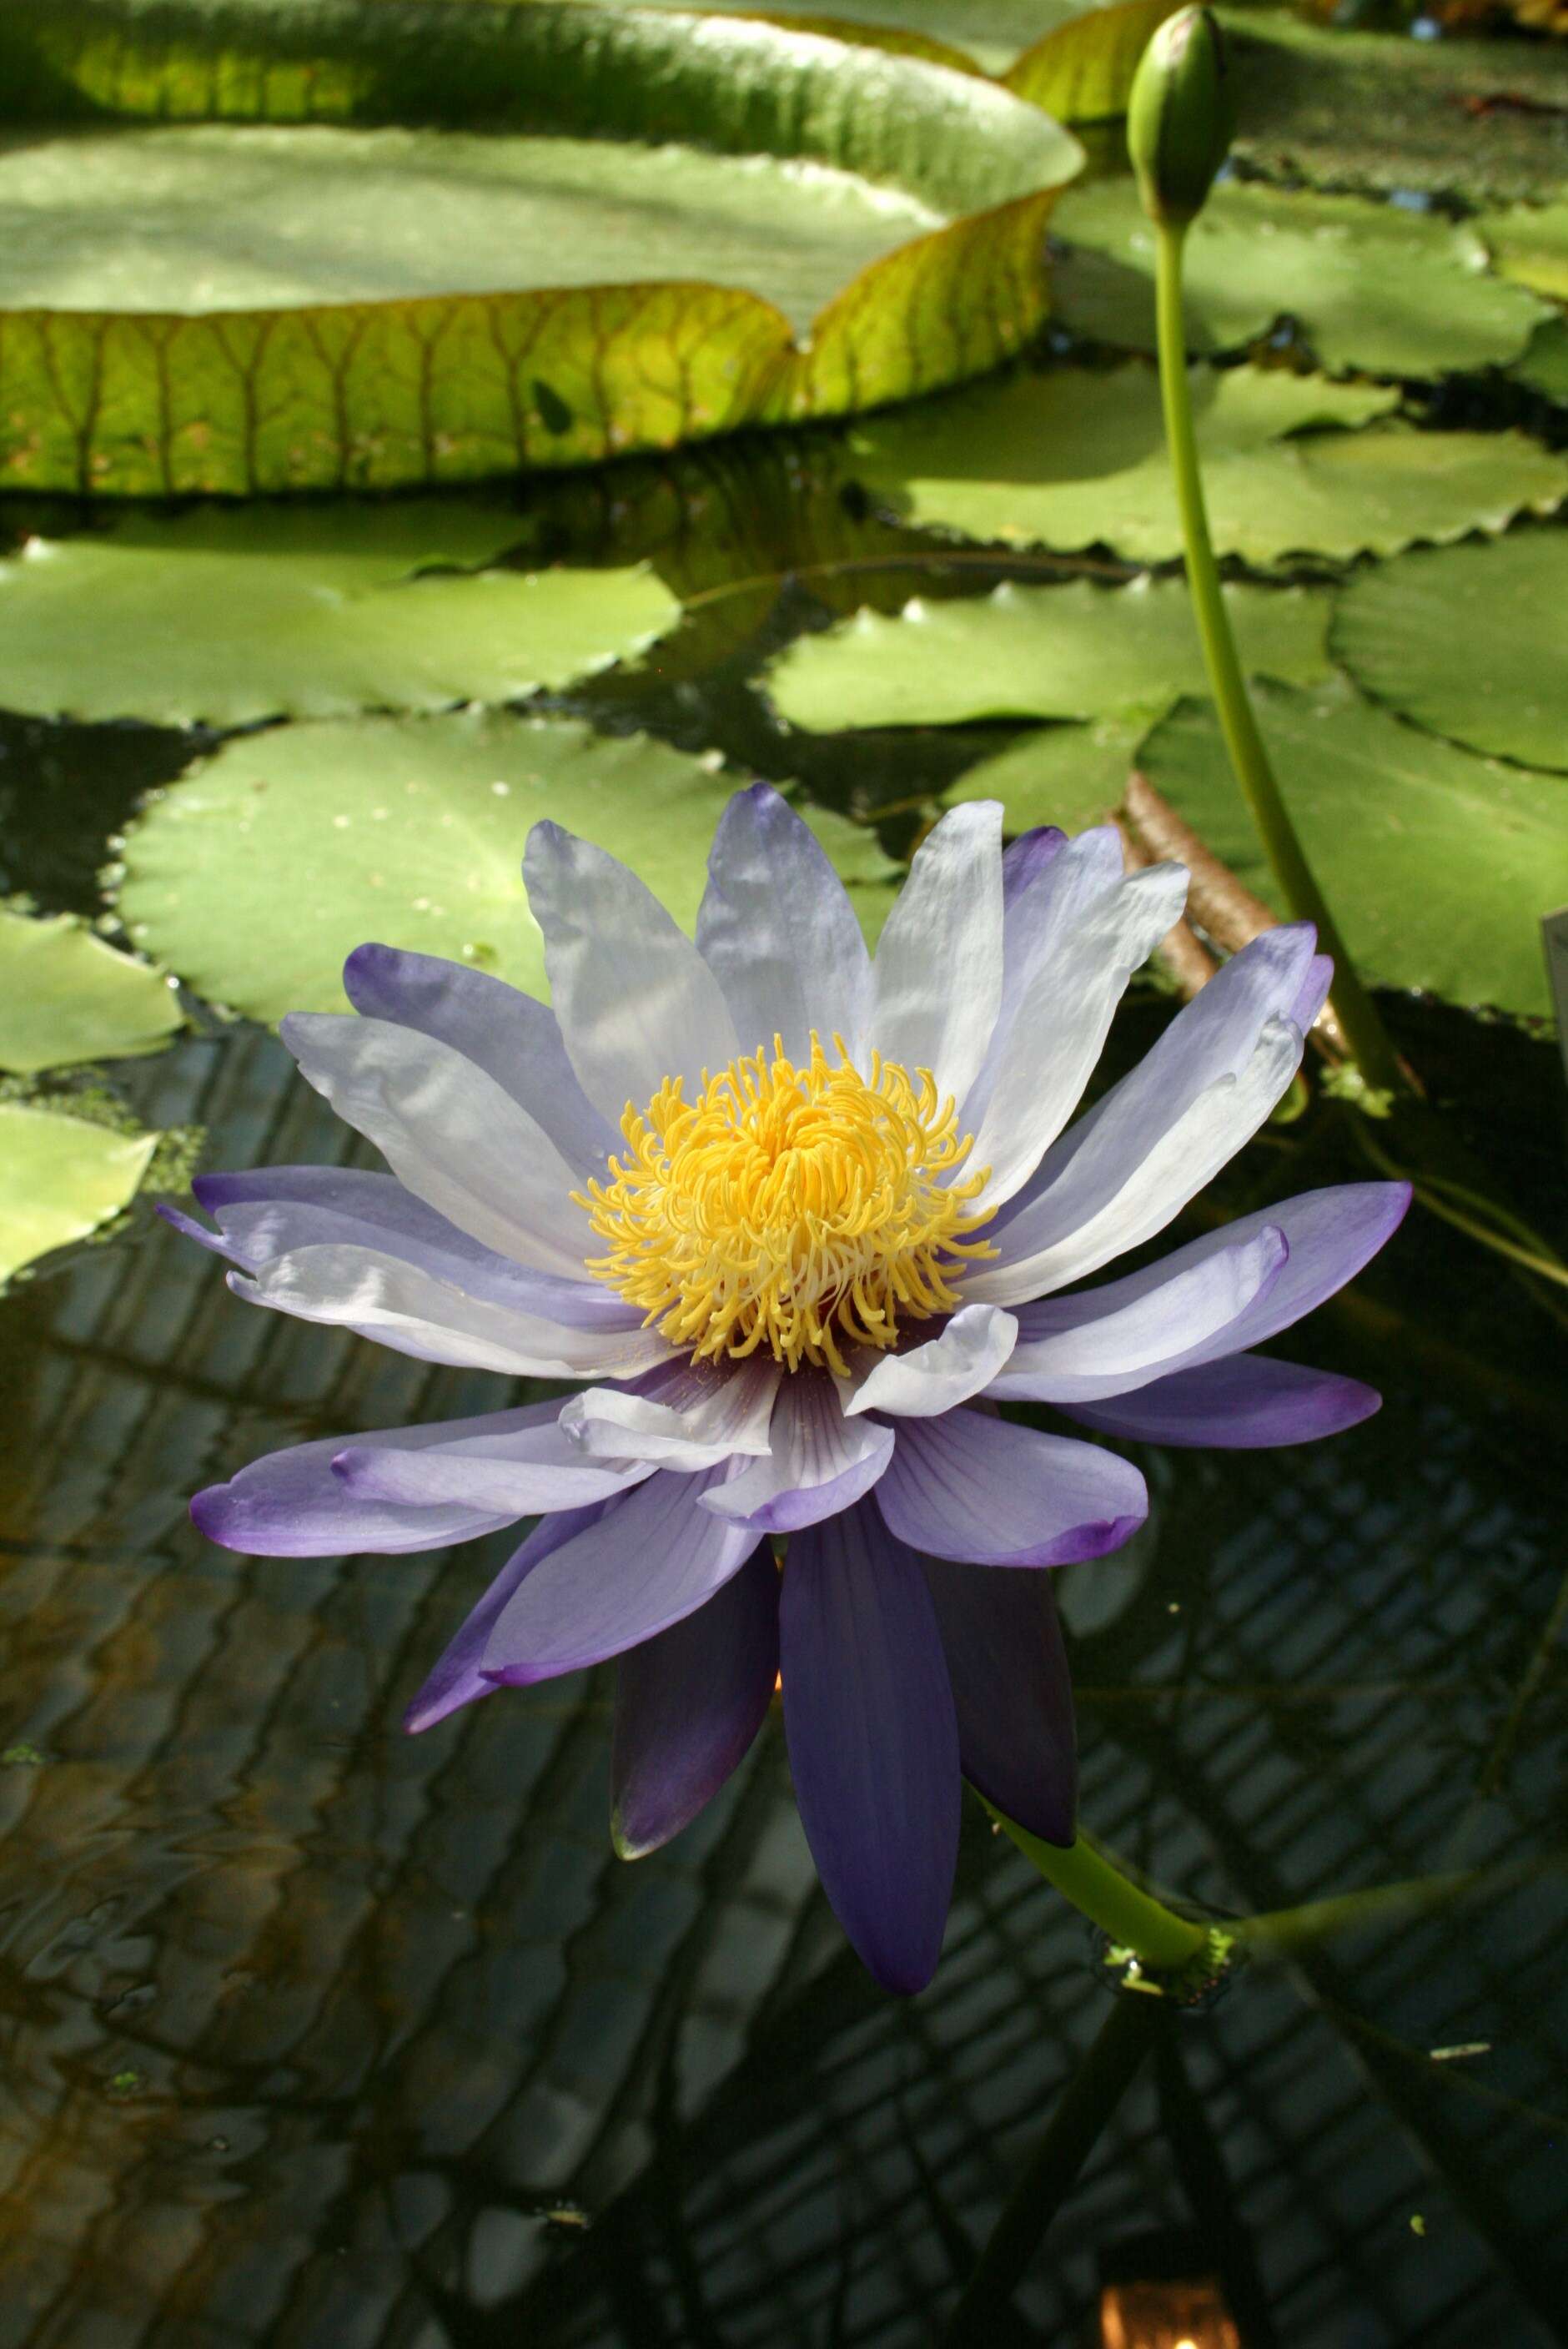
[(1181, 117)]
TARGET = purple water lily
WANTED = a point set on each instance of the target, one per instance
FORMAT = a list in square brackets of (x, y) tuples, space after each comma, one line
[(799, 1219)]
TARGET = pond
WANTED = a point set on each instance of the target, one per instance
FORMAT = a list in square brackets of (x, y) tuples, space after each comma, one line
[(316, 2033)]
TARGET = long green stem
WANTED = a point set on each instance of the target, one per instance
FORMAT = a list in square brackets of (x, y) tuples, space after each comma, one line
[(1132, 1918), (1357, 1017)]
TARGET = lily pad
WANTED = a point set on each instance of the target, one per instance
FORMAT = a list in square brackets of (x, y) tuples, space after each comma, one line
[(304, 304), (1067, 775), (1076, 457), (1370, 286), (1083, 70), (227, 616), (60, 1179), (258, 875), (1545, 366), (64, 996), (1073, 651), (1528, 243), (1468, 641), (1438, 864)]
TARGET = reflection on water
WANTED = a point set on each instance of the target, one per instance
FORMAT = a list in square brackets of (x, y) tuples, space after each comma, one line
[(317, 2035)]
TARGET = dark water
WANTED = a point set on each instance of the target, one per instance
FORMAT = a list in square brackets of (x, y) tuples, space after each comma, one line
[(319, 2037)]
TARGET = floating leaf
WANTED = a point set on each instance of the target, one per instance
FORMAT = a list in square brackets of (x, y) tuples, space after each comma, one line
[(227, 617), (1082, 71), (60, 1179), (1371, 287), (1074, 457), (1073, 651), (67, 997), (258, 875), (1382, 112), (1528, 243), (1545, 366), (1438, 864), (646, 292), (1066, 775), (985, 33), (1468, 641)]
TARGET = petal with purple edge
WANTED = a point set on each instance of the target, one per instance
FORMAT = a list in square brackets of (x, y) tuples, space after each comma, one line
[(1248, 1402), (650, 1558), (779, 932), (934, 1378), (635, 1000), (509, 1035), (976, 1488), (688, 1416), (688, 1703), (818, 1461), (527, 1474), (290, 1504), (873, 1740), (1013, 1692), (936, 982), (457, 1680)]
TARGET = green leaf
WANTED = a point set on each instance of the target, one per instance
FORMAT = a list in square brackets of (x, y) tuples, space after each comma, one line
[(227, 615), (65, 996), (1545, 366), (1076, 457), (984, 33), (1081, 71), (1067, 775), (1528, 243), (258, 875), (1072, 651), (1380, 112), (1438, 864), (60, 1179), (643, 294), (1370, 286), (1468, 641)]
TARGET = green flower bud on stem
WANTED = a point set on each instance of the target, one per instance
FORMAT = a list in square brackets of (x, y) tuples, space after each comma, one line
[(1180, 117)]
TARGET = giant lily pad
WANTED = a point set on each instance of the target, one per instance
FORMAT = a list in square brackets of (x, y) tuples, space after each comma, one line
[(226, 615), (1073, 651), (1370, 286), (60, 1179), (65, 996), (305, 304), (257, 876), (1528, 243), (1438, 864), (1076, 457), (1066, 775), (1545, 366), (1468, 641)]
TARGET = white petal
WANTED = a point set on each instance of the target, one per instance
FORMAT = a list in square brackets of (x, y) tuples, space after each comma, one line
[(818, 1464), (397, 1305), (450, 1134), (635, 1000), (936, 982), (1048, 1247), (944, 1371), (532, 1472), (694, 1416), (1064, 1014), (778, 931)]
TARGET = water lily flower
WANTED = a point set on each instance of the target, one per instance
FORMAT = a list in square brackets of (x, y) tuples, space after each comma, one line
[(797, 1220)]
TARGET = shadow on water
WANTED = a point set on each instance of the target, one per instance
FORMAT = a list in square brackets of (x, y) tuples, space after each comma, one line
[(314, 2034)]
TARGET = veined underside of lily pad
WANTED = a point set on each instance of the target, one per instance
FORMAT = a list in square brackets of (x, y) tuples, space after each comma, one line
[(281, 368)]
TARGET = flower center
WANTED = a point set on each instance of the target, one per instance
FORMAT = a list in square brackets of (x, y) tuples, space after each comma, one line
[(795, 1208)]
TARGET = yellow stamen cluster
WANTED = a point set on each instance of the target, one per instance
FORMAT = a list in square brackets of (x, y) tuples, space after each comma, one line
[(800, 1209)]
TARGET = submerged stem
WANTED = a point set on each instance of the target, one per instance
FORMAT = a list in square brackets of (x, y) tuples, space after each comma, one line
[(1358, 1016), (1132, 1918)]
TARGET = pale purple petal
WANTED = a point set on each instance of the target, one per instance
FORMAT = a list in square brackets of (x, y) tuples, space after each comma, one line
[(398, 1305), (290, 1504), (779, 932), (688, 1703), (457, 1678), (688, 1416), (1108, 1341), (1313, 992), (943, 1372), (1246, 1403), (1013, 1692), (936, 982), (450, 1135), (512, 1037), (525, 1472), (873, 1740), (650, 1558), (818, 1461), (976, 1488), (271, 1211), (635, 1000)]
